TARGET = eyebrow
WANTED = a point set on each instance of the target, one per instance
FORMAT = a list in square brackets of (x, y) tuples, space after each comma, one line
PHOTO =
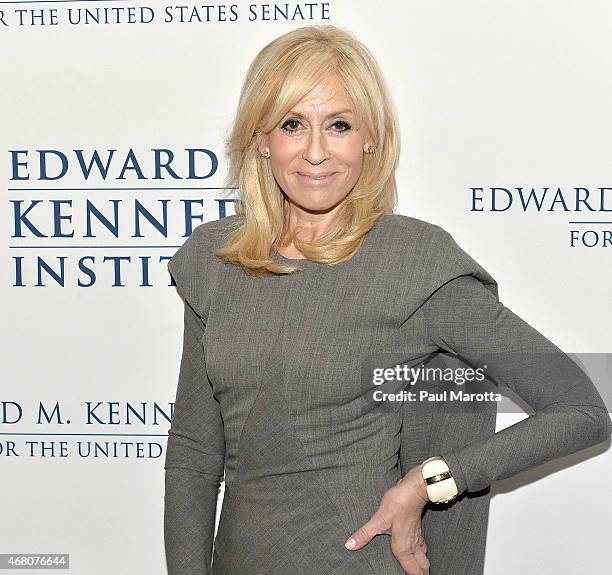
[(346, 111)]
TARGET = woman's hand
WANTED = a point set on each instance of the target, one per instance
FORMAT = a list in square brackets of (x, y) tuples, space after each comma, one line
[(399, 515)]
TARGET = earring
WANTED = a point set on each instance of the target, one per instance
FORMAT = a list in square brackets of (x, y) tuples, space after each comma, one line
[(265, 154), (369, 149)]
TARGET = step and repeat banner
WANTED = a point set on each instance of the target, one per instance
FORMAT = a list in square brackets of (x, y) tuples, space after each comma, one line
[(114, 115)]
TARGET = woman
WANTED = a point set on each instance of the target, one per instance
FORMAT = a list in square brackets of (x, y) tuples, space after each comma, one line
[(292, 300)]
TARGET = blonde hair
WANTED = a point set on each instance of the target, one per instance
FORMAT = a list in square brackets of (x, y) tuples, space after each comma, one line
[(283, 72)]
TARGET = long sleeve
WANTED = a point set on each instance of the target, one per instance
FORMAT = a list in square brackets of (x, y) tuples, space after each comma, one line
[(195, 452), (466, 318)]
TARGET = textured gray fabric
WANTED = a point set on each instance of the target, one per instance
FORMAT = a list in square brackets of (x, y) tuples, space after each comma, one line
[(271, 394)]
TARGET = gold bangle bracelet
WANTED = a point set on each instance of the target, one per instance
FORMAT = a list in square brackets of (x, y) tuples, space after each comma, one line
[(438, 477)]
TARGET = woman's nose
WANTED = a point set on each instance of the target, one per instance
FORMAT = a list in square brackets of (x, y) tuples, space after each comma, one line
[(315, 148)]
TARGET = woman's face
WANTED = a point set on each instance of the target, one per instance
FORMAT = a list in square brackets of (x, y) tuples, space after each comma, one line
[(318, 137)]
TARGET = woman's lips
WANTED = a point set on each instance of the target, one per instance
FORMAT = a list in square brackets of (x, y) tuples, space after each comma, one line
[(316, 181)]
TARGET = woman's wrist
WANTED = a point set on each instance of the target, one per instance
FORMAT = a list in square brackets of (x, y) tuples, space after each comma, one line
[(413, 480), (422, 489)]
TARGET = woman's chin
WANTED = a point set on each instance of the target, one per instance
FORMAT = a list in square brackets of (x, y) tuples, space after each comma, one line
[(308, 203)]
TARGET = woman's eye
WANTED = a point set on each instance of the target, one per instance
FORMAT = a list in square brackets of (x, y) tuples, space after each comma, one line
[(292, 125), (286, 125), (344, 125)]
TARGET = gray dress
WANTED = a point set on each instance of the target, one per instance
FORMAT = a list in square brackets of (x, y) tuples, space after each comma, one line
[(272, 394)]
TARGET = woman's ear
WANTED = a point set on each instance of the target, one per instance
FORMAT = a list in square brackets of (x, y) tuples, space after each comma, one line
[(261, 141), (368, 148)]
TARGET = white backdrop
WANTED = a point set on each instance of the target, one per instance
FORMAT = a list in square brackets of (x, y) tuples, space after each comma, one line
[(490, 95)]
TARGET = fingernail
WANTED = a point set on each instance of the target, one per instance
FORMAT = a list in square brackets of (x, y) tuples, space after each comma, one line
[(350, 544)]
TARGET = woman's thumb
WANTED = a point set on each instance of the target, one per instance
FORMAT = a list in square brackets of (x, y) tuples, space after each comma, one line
[(363, 535)]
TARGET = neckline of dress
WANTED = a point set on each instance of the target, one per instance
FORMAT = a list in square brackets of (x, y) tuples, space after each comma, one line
[(310, 263)]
